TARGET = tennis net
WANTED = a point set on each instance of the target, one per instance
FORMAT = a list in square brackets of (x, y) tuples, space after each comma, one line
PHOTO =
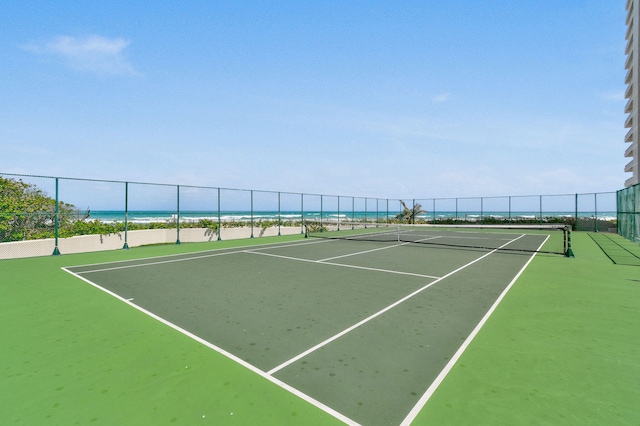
[(515, 238)]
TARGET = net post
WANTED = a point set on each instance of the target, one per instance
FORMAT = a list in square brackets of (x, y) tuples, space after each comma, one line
[(568, 252)]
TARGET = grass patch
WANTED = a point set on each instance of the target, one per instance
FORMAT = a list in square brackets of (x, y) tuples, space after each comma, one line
[(620, 251)]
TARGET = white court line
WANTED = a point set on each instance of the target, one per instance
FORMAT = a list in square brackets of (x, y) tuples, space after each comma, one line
[(185, 258), (372, 250), (439, 379), (377, 314), (161, 262), (361, 252), (284, 245), (388, 271), (381, 248), (221, 351), (266, 245)]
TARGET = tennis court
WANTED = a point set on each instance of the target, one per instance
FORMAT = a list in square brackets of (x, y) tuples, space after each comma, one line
[(363, 329)]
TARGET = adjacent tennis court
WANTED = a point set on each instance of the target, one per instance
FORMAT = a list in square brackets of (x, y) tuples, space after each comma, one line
[(363, 329)]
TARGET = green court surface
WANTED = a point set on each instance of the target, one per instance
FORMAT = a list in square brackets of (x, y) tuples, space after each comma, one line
[(307, 331), (620, 251)]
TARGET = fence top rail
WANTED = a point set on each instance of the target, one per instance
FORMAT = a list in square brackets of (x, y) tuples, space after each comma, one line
[(513, 196), (305, 193), (162, 184)]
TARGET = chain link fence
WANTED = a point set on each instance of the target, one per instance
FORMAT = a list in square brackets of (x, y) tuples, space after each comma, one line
[(584, 212), (62, 215), (628, 200)]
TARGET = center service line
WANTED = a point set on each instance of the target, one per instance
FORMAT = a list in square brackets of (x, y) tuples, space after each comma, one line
[(321, 262), (377, 314)]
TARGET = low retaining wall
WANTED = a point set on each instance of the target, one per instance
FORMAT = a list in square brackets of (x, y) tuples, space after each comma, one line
[(91, 243)]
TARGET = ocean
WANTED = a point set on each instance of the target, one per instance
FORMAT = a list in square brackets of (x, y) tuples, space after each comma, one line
[(110, 216)]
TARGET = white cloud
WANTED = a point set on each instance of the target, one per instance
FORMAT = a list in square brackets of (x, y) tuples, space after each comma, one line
[(91, 53), (613, 95), (442, 97)]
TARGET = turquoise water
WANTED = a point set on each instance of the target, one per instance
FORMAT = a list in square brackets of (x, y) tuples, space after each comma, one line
[(232, 216), (246, 216)]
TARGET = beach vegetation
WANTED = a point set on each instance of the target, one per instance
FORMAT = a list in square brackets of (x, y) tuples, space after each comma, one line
[(26, 212), (409, 215)]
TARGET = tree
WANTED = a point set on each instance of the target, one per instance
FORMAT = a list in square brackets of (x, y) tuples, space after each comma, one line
[(409, 215), (26, 212)]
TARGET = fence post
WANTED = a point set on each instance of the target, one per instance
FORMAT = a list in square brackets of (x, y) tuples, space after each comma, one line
[(219, 222), (353, 212), (387, 221), (575, 218), (618, 205), (126, 215), (595, 213), (178, 214), (434, 210), (366, 209), (540, 209), (618, 212), (457, 210), (56, 250), (252, 213), (279, 216)]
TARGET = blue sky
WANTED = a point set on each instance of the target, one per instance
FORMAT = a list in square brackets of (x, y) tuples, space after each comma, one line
[(368, 98)]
